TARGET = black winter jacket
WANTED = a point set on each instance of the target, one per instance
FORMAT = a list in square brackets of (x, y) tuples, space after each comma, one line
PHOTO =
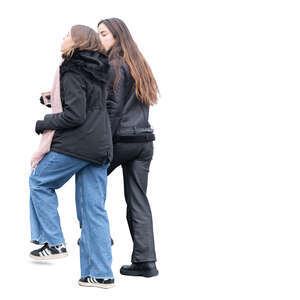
[(128, 115), (83, 128)]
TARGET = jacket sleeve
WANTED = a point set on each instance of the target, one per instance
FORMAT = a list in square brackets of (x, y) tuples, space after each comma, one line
[(116, 99), (74, 111)]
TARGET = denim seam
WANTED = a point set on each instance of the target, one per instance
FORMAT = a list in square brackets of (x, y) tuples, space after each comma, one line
[(82, 223)]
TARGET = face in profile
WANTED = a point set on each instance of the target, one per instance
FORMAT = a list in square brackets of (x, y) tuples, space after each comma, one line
[(67, 43), (106, 37)]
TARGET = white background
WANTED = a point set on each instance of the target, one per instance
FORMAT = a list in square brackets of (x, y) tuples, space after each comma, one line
[(224, 182)]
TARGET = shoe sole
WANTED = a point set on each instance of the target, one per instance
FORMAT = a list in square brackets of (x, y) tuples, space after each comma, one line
[(139, 273), (98, 285), (52, 256)]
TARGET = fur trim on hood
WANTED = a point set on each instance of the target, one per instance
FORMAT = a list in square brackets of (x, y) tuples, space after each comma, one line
[(94, 64)]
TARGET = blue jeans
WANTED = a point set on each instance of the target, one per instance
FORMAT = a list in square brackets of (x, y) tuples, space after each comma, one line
[(52, 172)]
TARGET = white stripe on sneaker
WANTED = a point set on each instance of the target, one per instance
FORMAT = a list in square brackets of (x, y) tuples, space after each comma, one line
[(48, 251), (59, 248)]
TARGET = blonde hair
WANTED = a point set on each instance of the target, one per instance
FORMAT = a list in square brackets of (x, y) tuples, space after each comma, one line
[(84, 38)]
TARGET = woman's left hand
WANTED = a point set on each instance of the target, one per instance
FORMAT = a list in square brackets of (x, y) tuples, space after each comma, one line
[(37, 156)]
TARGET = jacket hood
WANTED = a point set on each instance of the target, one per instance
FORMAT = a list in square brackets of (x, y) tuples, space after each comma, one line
[(94, 64)]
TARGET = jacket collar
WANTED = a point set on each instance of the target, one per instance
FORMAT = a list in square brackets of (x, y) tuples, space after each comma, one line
[(93, 64)]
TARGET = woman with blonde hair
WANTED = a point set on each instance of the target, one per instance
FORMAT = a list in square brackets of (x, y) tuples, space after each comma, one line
[(79, 142)]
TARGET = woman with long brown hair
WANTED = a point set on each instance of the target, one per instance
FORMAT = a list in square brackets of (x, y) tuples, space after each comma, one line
[(132, 91), (81, 144)]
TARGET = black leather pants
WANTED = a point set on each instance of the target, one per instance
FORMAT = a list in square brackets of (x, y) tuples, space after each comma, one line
[(135, 159)]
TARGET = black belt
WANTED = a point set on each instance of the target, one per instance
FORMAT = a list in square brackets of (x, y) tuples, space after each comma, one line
[(148, 137), (133, 131)]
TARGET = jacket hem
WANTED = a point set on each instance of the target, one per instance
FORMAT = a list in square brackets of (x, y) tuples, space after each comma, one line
[(78, 156)]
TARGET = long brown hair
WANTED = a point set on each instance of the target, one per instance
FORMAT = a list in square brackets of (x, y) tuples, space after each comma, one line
[(84, 38), (125, 49)]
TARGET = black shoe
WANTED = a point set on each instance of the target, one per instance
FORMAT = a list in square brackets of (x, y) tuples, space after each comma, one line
[(97, 282), (47, 252), (146, 269), (111, 240)]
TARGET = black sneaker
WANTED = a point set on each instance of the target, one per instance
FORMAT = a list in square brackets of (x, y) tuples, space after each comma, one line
[(97, 282), (47, 252)]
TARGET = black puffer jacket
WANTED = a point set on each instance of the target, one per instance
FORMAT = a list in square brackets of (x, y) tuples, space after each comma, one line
[(128, 115), (83, 128)]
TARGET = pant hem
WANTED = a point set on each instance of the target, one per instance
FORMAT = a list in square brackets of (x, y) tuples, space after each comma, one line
[(37, 242), (143, 260), (102, 277)]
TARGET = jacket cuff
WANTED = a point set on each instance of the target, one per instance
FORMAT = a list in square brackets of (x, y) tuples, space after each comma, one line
[(40, 126), (48, 116)]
